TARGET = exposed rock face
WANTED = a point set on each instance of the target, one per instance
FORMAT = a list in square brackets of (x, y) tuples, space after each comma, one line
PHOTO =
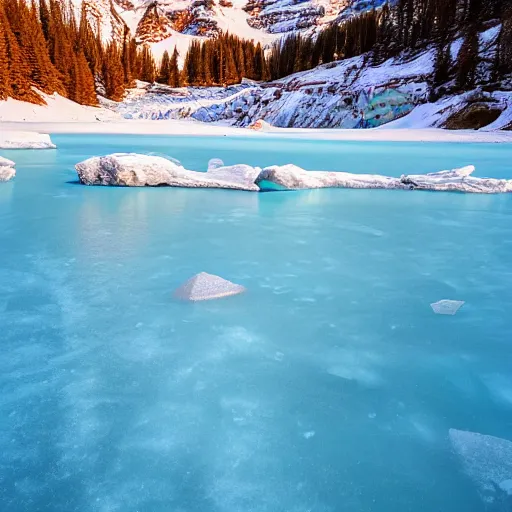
[(153, 26), (150, 21), (205, 286), (104, 18), (7, 171), (280, 16), (345, 94), (474, 116)]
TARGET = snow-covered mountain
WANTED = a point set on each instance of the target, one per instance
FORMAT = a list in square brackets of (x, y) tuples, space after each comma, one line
[(168, 23), (351, 93)]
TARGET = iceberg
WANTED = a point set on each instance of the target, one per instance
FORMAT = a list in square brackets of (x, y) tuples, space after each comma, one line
[(291, 177), (135, 170), (457, 180), (446, 306), (487, 460), (25, 140), (7, 171), (205, 286)]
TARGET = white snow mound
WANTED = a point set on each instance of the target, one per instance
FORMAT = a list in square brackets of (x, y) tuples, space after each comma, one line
[(205, 286), (25, 140), (487, 460), (447, 307), (135, 170)]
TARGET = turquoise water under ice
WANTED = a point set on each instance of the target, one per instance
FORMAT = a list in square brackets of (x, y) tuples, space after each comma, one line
[(330, 386)]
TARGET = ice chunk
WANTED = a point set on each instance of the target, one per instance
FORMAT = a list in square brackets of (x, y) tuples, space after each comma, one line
[(136, 170), (457, 180), (291, 177), (205, 286), (487, 460), (215, 163), (5, 162), (447, 306), (7, 171), (25, 140)]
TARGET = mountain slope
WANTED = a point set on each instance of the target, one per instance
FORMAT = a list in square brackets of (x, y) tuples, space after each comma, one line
[(177, 22)]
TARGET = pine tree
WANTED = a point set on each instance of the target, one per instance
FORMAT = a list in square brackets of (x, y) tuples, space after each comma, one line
[(83, 82), (164, 74), (5, 83), (148, 67), (113, 73), (467, 60), (503, 61), (174, 79), (19, 69), (442, 64)]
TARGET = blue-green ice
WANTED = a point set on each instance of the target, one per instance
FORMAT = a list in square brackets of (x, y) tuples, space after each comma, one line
[(330, 386)]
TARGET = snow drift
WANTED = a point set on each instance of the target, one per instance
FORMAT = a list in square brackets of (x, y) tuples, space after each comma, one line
[(7, 171), (25, 140), (135, 170)]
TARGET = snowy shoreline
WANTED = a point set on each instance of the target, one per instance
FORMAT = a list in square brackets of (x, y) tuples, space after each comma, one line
[(196, 128)]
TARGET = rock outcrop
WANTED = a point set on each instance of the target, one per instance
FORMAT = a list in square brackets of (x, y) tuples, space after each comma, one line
[(134, 170), (7, 171)]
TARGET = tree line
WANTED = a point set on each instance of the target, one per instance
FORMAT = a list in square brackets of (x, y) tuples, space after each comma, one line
[(407, 25), (47, 47), (44, 46)]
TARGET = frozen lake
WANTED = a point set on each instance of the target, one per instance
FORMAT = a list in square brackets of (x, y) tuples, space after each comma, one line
[(329, 386)]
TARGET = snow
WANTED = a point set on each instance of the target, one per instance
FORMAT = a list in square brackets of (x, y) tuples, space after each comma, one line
[(24, 140), (7, 171), (57, 109), (134, 170), (138, 170), (205, 286)]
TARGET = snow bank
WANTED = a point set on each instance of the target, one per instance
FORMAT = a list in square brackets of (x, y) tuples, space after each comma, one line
[(205, 286), (487, 460), (25, 140), (57, 109), (134, 170), (7, 171)]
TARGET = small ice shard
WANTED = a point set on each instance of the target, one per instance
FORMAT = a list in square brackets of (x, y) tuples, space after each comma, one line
[(215, 163), (205, 286), (446, 306), (487, 460)]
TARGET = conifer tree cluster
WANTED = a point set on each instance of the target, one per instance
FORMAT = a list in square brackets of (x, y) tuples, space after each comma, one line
[(224, 60), (407, 25), (46, 47)]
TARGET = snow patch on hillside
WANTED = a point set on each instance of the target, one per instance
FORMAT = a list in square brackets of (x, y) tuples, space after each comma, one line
[(57, 109)]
